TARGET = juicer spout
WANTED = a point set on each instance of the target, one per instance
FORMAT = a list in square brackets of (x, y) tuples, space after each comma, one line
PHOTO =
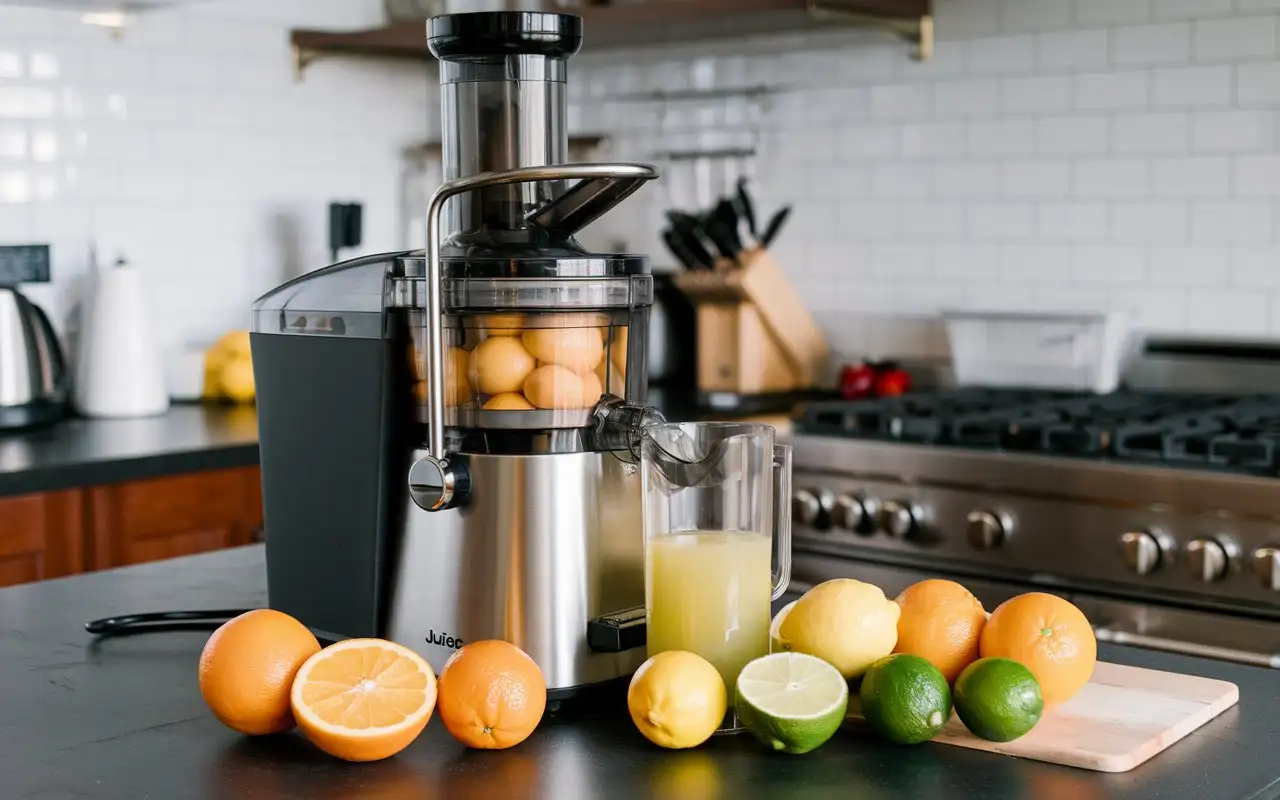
[(621, 427)]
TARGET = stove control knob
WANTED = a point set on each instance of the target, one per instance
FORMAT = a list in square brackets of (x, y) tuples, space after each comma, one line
[(1143, 551), (1266, 565), (813, 507), (900, 518), (987, 530), (856, 512), (1208, 559)]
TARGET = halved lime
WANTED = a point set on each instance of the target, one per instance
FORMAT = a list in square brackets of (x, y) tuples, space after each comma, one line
[(792, 702)]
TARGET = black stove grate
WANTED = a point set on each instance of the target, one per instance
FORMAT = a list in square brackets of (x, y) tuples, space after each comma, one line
[(1238, 433)]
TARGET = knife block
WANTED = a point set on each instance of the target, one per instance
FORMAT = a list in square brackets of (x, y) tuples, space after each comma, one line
[(755, 335)]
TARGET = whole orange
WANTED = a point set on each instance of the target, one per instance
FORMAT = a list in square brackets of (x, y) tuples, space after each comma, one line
[(1049, 636), (491, 695), (247, 669), (941, 622)]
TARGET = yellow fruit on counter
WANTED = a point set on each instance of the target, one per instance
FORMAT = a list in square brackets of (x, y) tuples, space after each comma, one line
[(677, 699), (777, 644), (247, 669), (236, 380), (229, 349), (845, 622), (363, 699)]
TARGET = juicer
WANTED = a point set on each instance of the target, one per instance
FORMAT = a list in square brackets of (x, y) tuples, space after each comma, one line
[(449, 437)]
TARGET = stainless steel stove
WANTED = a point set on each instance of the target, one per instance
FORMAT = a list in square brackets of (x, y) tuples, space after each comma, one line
[(1158, 513)]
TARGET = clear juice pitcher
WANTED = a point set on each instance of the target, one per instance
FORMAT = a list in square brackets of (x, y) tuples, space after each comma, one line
[(717, 541)]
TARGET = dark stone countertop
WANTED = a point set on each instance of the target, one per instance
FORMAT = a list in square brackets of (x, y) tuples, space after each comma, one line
[(123, 718), (85, 452)]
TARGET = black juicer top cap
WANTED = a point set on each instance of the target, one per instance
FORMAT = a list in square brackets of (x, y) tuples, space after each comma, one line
[(503, 33)]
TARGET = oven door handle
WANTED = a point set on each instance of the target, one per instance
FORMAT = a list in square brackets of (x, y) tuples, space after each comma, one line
[(1118, 636)]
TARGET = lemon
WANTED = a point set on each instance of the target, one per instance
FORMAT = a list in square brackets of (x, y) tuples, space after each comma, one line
[(236, 380), (845, 622), (677, 699), (777, 644)]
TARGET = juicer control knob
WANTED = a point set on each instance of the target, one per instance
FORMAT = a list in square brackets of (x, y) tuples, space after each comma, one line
[(1208, 559), (900, 518), (813, 507), (856, 512), (1266, 566), (987, 530), (1144, 551), (437, 484)]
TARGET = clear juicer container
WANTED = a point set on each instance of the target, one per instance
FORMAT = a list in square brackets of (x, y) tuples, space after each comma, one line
[(525, 351)]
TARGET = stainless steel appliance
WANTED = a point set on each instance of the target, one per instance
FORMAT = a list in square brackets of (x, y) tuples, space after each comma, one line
[(1158, 513), (33, 370), (449, 437)]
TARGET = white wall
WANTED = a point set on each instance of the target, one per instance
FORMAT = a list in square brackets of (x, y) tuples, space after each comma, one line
[(1054, 153), (188, 145)]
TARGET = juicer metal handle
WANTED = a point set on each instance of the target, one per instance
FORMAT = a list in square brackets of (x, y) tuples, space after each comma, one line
[(782, 517), (435, 289)]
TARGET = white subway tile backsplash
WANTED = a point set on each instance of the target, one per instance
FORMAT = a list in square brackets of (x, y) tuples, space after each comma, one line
[(1257, 176), (1000, 220), (1167, 43), (1073, 221), (1013, 137), (1189, 266), (867, 141), (1258, 84), (1071, 50), (1190, 177), (1036, 178), (1235, 38), (963, 261), (1035, 263), (1185, 9), (1036, 94), (1157, 310), (1150, 222), (1232, 223), (901, 101), (1191, 86), (870, 220), (1167, 132), (1228, 312), (933, 139), (1231, 131), (1110, 90), (1111, 177), (1109, 263), (963, 180), (901, 180), (1035, 15), (977, 97), (1095, 12), (1002, 54), (1255, 266), (900, 260), (1071, 135), (932, 220)]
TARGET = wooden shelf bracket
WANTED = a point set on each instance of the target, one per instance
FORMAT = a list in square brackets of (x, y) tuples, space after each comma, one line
[(916, 30)]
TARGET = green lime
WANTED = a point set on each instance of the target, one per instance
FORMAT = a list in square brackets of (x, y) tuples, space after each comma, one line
[(998, 699), (905, 699), (791, 701)]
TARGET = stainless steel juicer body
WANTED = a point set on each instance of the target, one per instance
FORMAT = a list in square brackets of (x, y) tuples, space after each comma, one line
[(413, 487)]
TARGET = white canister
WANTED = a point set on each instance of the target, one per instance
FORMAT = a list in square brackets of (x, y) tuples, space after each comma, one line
[(119, 370)]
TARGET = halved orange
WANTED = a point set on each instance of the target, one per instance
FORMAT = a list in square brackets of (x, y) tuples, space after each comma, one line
[(363, 699)]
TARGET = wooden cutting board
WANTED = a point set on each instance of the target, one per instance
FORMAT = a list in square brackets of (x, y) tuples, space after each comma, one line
[(1121, 718)]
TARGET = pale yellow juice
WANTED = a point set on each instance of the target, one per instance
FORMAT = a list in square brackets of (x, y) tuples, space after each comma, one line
[(708, 593)]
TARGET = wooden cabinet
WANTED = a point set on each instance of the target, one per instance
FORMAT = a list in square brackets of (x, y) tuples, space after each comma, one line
[(48, 534), (41, 536)]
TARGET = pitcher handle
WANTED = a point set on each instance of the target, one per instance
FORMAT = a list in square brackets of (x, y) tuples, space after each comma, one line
[(782, 517)]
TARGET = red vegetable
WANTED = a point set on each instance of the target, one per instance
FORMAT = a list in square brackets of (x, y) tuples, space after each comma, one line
[(858, 381), (891, 381)]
